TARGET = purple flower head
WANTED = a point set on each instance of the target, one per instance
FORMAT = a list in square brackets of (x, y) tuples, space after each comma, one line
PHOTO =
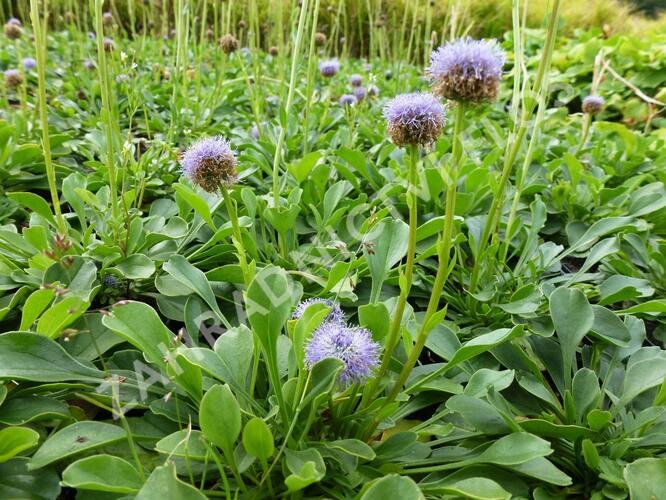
[(109, 44), (348, 100), (89, 64), (92, 36), (467, 70), (336, 315), (359, 93), (29, 63), (107, 18), (373, 90), (122, 78), (13, 20), (414, 119), (255, 131), (329, 69), (352, 345), (593, 104), (209, 162), (13, 78), (355, 80)]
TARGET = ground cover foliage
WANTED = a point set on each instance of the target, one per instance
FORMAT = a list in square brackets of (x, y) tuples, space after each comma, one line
[(318, 303)]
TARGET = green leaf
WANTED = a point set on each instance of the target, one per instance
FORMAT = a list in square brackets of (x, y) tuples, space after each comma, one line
[(306, 466), (258, 439), (513, 449), (481, 414), (642, 376), (186, 443), (475, 488), (60, 316), (135, 267), (608, 326), (376, 318), (22, 410), (14, 440), (543, 470), (195, 280), (573, 318), (269, 305), (352, 447), (76, 438), (165, 485), (35, 305), (646, 479), (389, 245), (29, 356), (196, 202), (102, 473), (393, 486), (220, 417), (655, 307), (322, 380), (140, 325), (18, 482), (35, 203)]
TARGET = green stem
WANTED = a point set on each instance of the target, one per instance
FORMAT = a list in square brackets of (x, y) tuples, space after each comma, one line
[(40, 45), (237, 236), (515, 143), (295, 59), (405, 280), (444, 256)]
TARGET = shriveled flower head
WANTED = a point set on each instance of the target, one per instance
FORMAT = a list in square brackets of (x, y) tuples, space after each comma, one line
[(13, 31), (89, 64), (373, 90), (593, 104), (388, 75), (336, 315), (107, 18), (329, 68), (359, 93), (228, 43), (414, 119), (356, 80), (109, 44), (274, 51), (210, 162), (29, 63), (13, 78), (467, 70), (348, 100), (320, 39), (352, 345)]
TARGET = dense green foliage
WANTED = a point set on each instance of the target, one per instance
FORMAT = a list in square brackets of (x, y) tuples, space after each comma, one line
[(147, 345)]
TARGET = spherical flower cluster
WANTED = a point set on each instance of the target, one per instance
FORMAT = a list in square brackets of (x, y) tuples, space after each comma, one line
[(355, 80), (109, 44), (320, 39), (29, 63), (107, 18), (210, 162), (359, 93), (335, 315), (351, 345), (13, 78), (467, 70), (273, 51), (13, 20), (13, 31), (228, 43), (89, 64), (593, 104), (348, 100), (414, 119), (329, 69)]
